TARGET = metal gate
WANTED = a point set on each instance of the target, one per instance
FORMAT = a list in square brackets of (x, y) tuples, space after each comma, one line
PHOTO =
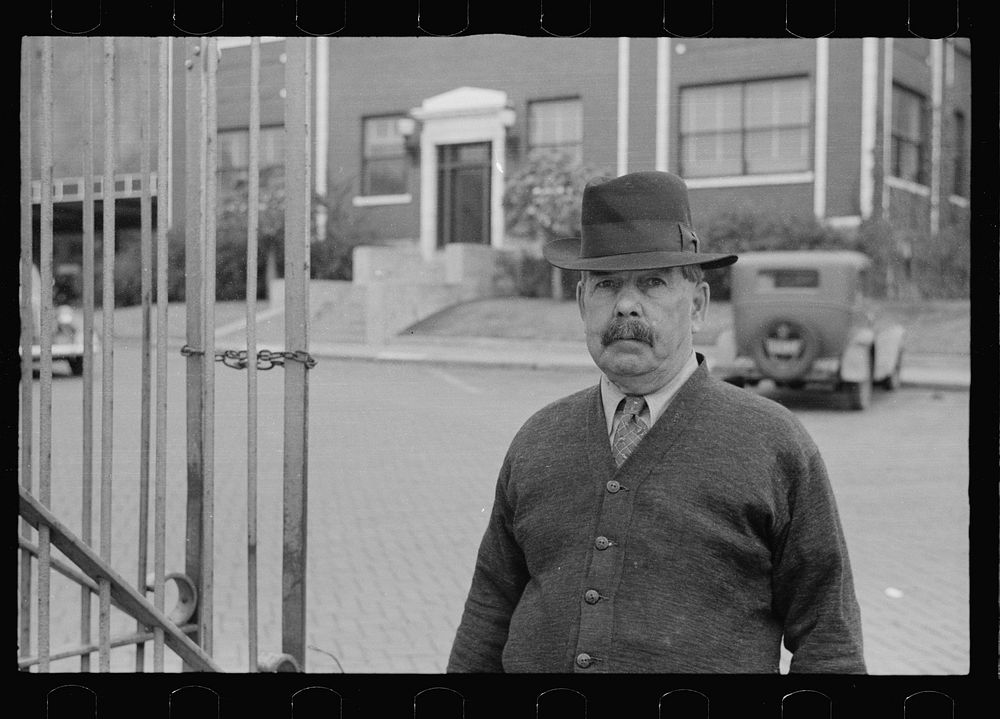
[(48, 543)]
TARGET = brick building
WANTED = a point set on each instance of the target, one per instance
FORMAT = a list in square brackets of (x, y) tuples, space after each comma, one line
[(419, 132)]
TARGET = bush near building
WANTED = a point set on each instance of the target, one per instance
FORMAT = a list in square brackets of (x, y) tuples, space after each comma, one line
[(941, 264), (330, 256), (911, 265), (905, 264), (541, 203)]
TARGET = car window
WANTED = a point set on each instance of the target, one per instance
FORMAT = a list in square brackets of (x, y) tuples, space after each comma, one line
[(787, 279)]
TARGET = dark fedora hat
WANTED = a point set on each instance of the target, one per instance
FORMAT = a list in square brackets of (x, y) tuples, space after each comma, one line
[(637, 221)]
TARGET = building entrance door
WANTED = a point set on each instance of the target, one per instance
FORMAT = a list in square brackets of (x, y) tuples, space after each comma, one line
[(464, 193)]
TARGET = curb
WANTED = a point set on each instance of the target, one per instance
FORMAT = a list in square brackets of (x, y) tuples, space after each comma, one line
[(501, 354), (926, 373)]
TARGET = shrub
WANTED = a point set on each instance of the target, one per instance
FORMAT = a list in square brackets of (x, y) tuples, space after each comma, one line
[(905, 262), (128, 270), (542, 202), (942, 264), (529, 275), (330, 256), (875, 239)]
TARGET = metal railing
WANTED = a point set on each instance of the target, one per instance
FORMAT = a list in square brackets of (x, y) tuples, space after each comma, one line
[(188, 629)]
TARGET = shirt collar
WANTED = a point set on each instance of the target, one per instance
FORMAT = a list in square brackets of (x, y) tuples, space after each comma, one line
[(656, 402)]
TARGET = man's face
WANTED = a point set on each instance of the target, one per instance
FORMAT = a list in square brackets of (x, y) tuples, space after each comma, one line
[(639, 324)]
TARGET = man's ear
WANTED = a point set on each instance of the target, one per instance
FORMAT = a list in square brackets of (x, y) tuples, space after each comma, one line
[(579, 297), (699, 305)]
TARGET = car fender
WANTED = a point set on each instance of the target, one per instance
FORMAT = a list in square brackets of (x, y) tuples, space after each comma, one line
[(888, 347), (855, 361)]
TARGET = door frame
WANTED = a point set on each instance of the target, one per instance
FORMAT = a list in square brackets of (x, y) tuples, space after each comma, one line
[(446, 195), (460, 116)]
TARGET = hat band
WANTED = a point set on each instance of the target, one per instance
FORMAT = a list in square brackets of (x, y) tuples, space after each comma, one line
[(622, 238)]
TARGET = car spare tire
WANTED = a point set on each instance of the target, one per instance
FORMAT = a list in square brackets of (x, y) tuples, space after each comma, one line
[(784, 350)]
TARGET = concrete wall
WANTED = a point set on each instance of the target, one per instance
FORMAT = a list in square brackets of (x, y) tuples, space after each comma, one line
[(393, 306), (320, 292), (394, 288), (374, 264), (400, 288)]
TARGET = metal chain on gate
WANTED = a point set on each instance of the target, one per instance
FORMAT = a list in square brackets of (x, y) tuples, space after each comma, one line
[(266, 359)]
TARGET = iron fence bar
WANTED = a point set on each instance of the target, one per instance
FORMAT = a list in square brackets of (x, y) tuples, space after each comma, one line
[(86, 583), (91, 587), (95, 566), (62, 567), (145, 252), (209, 49), (253, 211), (27, 341), (297, 208), (45, 330), (193, 241), (107, 348), (139, 637), (162, 302), (87, 474)]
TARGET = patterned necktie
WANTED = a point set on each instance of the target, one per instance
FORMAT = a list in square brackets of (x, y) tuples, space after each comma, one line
[(629, 430)]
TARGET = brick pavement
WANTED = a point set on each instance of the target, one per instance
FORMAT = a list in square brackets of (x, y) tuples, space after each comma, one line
[(403, 459)]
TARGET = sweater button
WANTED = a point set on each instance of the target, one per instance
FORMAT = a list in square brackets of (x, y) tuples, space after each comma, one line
[(583, 660), (591, 596), (602, 542), (613, 485)]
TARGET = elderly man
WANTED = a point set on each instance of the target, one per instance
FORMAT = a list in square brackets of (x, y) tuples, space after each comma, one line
[(661, 521)]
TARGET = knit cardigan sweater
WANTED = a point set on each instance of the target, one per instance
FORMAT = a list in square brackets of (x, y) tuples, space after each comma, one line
[(715, 540)]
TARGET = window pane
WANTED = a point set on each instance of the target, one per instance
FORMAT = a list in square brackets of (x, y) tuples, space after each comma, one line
[(385, 161), (777, 150), (478, 153), (232, 181), (958, 155), (787, 279), (382, 137), (272, 146), (906, 161), (555, 123), (233, 149), (906, 114), (710, 108), (385, 177), (711, 154), (783, 102), (746, 128)]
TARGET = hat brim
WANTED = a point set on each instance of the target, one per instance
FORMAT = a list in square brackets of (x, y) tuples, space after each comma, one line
[(565, 253)]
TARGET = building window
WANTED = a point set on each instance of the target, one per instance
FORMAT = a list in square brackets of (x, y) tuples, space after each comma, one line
[(384, 165), (556, 124), (958, 155), (234, 157), (746, 128), (908, 135)]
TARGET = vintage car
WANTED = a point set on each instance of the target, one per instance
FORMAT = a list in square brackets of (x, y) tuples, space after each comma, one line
[(67, 330), (800, 318)]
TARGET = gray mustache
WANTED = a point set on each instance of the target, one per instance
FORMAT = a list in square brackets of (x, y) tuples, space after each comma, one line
[(627, 329)]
